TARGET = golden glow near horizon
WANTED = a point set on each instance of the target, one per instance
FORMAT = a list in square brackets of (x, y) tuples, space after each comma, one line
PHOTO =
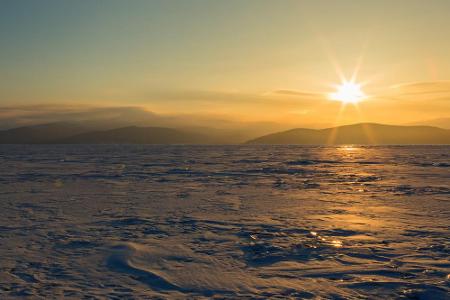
[(348, 92)]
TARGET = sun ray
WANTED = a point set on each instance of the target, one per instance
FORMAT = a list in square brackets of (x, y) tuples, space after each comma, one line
[(359, 61)]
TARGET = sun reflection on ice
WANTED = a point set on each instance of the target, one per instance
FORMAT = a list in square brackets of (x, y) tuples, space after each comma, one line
[(325, 240), (349, 148), (336, 243)]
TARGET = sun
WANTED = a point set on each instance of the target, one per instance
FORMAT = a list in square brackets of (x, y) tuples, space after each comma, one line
[(348, 92)]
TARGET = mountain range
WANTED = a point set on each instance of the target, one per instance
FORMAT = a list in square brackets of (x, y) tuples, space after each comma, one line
[(362, 133)]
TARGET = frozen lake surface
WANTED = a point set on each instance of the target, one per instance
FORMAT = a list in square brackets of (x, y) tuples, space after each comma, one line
[(124, 222)]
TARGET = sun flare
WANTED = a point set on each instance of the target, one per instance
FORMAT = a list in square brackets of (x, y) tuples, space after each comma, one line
[(348, 92)]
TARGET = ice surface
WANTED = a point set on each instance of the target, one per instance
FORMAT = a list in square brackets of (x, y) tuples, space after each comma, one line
[(224, 221)]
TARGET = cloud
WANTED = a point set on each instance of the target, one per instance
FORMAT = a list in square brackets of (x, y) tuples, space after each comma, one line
[(104, 117), (425, 88), (307, 95), (13, 116), (225, 109), (422, 84), (208, 97)]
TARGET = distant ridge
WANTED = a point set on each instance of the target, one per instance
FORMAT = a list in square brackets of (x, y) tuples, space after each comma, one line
[(441, 123), (40, 134), (363, 133), (135, 135)]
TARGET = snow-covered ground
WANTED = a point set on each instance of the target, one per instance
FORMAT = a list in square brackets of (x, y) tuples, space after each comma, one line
[(181, 222)]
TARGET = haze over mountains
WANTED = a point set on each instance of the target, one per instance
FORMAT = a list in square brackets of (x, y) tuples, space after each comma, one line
[(363, 133), (440, 122), (221, 129)]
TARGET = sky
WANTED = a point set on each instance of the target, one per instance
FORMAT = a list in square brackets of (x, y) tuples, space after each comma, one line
[(253, 60)]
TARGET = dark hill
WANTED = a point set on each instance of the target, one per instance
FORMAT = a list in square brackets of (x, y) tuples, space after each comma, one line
[(40, 134), (364, 133)]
